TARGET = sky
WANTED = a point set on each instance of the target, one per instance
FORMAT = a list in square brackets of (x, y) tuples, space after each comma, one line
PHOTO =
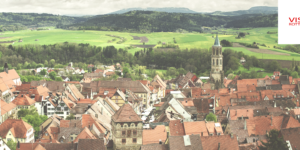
[(95, 7)]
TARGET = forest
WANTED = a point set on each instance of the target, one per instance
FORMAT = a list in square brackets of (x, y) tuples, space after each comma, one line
[(194, 60), (21, 21), (150, 21)]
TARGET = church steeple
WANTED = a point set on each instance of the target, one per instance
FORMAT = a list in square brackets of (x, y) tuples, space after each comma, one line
[(217, 42)]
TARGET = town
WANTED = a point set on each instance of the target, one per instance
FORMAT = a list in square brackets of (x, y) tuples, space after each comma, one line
[(183, 113)]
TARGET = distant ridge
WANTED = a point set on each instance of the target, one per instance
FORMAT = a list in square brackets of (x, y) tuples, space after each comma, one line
[(164, 9), (253, 10)]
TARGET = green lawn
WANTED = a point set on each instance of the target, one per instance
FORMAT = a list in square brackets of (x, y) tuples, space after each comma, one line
[(184, 40)]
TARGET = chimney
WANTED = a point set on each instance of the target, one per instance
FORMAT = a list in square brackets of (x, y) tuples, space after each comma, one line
[(160, 142), (236, 112), (6, 68), (245, 125), (18, 145), (201, 133), (79, 99), (274, 104), (186, 101), (242, 117), (218, 146), (271, 120), (231, 135)]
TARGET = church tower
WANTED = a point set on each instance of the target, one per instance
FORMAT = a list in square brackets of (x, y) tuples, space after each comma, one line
[(216, 73)]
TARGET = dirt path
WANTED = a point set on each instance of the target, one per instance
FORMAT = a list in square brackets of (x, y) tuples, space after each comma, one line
[(265, 51), (144, 46), (4, 37)]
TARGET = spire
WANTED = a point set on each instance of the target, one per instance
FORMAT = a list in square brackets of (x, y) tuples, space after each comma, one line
[(217, 42)]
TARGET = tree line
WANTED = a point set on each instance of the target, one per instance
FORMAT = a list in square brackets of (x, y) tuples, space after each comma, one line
[(197, 61)]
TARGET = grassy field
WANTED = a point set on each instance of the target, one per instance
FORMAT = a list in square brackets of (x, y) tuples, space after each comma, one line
[(242, 69), (184, 40)]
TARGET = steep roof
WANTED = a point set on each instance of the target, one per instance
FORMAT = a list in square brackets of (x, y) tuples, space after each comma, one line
[(153, 136), (217, 42), (23, 100), (176, 128), (126, 114), (226, 142), (85, 134), (197, 127), (18, 127), (187, 142), (89, 144), (292, 135)]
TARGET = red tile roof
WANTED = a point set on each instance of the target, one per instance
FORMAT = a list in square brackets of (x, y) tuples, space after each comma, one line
[(176, 128), (85, 134), (23, 100), (153, 136), (126, 114), (197, 127), (236, 113), (86, 101), (18, 127), (226, 142), (87, 120)]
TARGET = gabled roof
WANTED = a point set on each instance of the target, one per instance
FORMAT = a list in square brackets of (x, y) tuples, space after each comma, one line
[(87, 121), (85, 134), (18, 128), (23, 100), (75, 91), (126, 114)]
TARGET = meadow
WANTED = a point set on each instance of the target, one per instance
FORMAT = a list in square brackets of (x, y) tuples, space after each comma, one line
[(183, 40)]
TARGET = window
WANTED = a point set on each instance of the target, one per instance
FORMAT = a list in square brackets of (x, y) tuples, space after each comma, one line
[(72, 138), (129, 133), (9, 139), (123, 132), (46, 134), (116, 101), (134, 132), (134, 140), (123, 141)]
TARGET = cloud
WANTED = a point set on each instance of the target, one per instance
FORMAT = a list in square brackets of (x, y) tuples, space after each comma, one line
[(94, 7)]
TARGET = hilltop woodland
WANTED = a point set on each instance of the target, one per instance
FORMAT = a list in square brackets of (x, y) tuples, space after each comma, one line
[(194, 60), (20, 21), (151, 21)]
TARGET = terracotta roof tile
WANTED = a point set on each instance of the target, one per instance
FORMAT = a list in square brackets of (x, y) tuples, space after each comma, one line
[(85, 134), (23, 100), (237, 113), (87, 120), (176, 128), (197, 127), (18, 127), (155, 146), (153, 136), (291, 135), (226, 142)]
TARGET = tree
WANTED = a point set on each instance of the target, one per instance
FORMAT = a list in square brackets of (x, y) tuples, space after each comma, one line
[(52, 75), (12, 145), (295, 74), (211, 117), (52, 63), (125, 70), (43, 72), (58, 79), (46, 63), (274, 142), (242, 34), (70, 117)]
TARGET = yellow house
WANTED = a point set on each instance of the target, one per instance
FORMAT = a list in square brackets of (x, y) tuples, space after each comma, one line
[(16, 130), (115, 95)]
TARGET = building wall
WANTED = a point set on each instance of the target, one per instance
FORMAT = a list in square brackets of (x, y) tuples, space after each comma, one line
[(117, 130), (3, 145), (118, 100)]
